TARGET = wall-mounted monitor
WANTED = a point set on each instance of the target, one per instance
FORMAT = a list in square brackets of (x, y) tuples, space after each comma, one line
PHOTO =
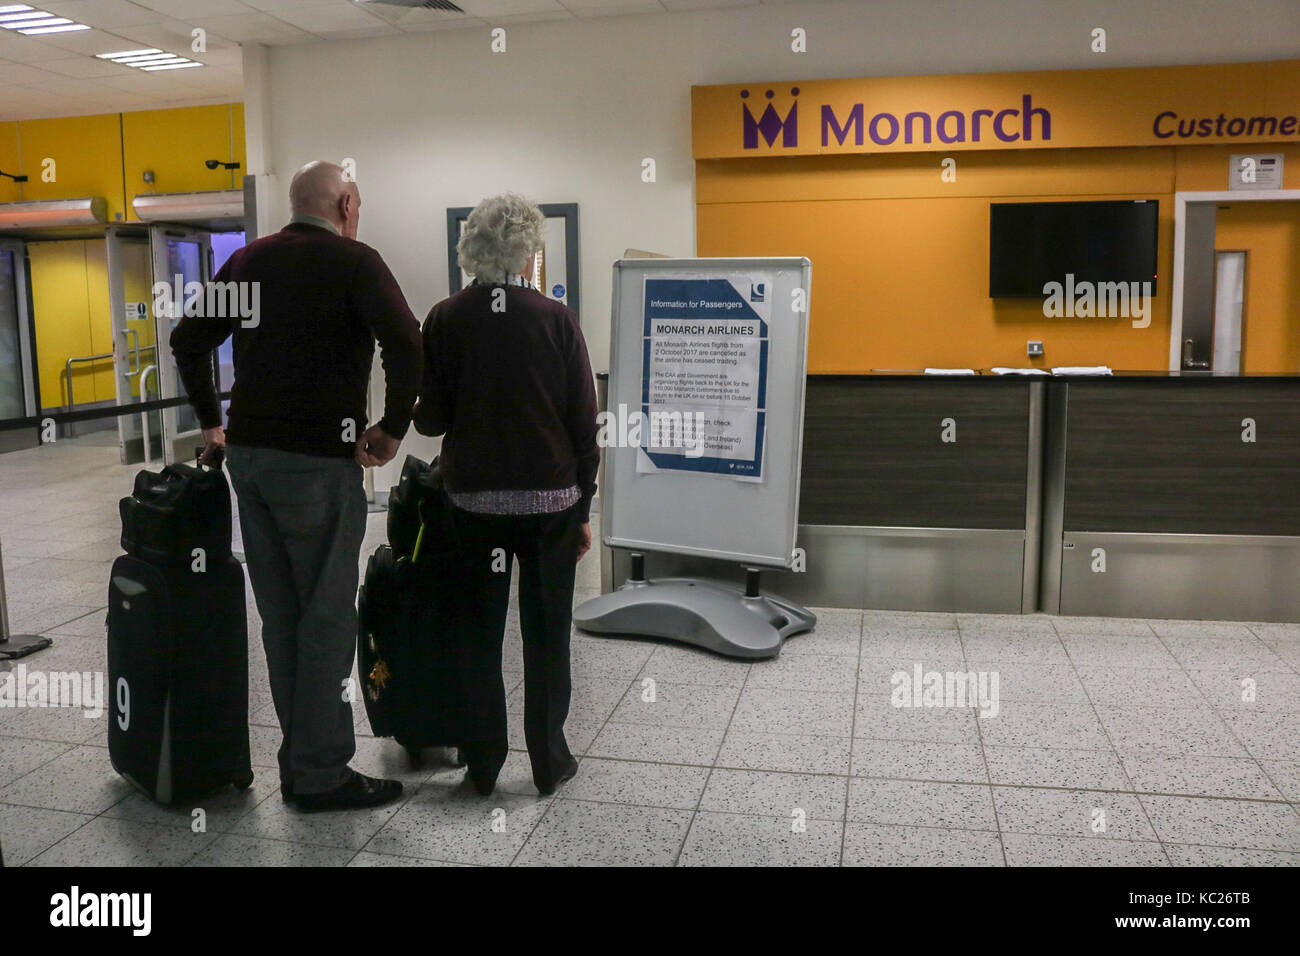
[(1034, 243)]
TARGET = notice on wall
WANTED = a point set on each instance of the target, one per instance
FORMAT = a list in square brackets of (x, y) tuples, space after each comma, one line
[(704, 374), (1255, 171)]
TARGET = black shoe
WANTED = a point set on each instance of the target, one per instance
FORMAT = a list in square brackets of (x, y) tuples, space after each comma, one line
[(483, 785), (357, 793), (569, 773)]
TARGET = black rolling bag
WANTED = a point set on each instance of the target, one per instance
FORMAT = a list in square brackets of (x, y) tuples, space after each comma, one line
[(407, 653), (178, 640)]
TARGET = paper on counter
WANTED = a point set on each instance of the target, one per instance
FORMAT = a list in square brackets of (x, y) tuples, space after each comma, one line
[(1082, 370), (949, 371), (1003, 370)]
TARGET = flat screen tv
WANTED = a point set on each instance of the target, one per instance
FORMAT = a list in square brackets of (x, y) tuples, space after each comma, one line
[(1033, 243)]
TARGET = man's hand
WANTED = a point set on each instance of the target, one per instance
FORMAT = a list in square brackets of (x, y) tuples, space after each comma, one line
[(376, 448), (584, 540), (214, 446)]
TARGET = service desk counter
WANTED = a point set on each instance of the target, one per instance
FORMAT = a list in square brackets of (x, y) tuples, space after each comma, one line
[(1173, 495), (917, 492), (1139, 494)]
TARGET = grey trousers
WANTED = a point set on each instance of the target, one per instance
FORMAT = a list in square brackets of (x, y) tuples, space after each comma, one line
[(303, 519)]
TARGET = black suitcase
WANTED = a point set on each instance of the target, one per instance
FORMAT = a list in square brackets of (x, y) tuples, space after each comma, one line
[(178, 667), (407, 652), (172, 512)]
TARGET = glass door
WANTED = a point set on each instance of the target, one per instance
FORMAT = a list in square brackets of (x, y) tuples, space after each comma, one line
[(17, 392), (135, 346), (180, 256)]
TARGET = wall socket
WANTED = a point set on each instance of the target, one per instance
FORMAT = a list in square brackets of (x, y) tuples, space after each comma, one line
[(1034, 348)]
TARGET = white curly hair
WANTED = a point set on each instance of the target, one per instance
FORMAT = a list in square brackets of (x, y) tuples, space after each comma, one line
[(501, 235)]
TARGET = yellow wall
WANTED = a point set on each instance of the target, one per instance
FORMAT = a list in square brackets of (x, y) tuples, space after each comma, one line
[(70, 300), (1270, 234), (900, 258), (175, 143), (106, 155)]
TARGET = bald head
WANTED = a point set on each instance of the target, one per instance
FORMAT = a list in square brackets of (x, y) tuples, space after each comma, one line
[(324, 190)]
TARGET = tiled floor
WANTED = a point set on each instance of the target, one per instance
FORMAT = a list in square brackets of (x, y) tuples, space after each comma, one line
[(1116, 741)]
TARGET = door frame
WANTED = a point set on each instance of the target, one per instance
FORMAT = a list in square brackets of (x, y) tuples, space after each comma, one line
[(1181, 201), (568, 211), (26, 330), (167, 375)]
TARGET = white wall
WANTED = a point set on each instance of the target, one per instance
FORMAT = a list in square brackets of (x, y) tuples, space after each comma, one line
[(568, 112)]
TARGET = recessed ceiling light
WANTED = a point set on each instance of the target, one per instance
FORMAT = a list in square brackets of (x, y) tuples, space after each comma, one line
[(32, 22), (149, 60)]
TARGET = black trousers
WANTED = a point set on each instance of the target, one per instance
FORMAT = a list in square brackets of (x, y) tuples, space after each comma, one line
[(546, 547)]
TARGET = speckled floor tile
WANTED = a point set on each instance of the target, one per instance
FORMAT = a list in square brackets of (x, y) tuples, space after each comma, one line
[(26, 832), (837, 621), (877, 717), (1116, 651), (1021, 680), (807, 672), (771, 710), (677, 705), (68, 725), (1247, 691), (1117, 626), (232, 849), (1196, 630), (690, 665), (593, 699), (611, 657), (1050, 767), (1234, 823), (1199, 776), (1267, 735), (1285, 775), (729, 839), (1015, 624), (1024, 849), (20, 755), (918, 760), (868, 844), (366, 858), (221, 808), (1007, 648), (578, 732), (793, 753), (911, 643), (1139, 686), (822, 643), (956, 806), (105, 841), (880, 676), (1187, 855), (581, 833), (1075, 813), (684, 745), (1244, 652), (637, 784), (457, 825), (766, 793), (273, 819), (1022, 723), (928, 620), (1172, 732), (79, 781)]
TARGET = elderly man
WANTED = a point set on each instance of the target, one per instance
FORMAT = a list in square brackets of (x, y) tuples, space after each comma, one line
[(297, 443)]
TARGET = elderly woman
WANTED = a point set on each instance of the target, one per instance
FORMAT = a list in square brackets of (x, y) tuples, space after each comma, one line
[(508, 383)]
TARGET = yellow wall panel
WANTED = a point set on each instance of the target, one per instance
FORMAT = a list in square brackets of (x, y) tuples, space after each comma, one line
[(87, 151), (137, 281), (9, 190), (1205, 169), (1270, 234), (101, 323), (175, 143), (61, 308)]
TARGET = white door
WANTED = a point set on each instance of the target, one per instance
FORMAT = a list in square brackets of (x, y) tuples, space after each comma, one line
[(180, 256)]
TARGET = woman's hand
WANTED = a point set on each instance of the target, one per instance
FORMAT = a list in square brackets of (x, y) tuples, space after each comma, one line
[(584, 540)]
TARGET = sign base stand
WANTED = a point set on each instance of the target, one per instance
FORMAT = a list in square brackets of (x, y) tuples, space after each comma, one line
[(714, 615)]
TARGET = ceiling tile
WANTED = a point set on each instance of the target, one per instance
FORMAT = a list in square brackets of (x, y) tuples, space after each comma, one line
[(83, 66), (325, 18), (102, 13), (257, 28), (493, 9), (599, 8), (195, 9)]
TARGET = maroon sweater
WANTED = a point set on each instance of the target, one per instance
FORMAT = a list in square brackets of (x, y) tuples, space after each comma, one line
[(513, 392), (305, 367)]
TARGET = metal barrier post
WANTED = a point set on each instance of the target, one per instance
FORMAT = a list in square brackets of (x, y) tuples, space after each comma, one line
[(15, 645)]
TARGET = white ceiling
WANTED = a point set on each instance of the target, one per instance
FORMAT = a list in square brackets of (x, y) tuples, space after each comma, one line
[(59, 75)]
